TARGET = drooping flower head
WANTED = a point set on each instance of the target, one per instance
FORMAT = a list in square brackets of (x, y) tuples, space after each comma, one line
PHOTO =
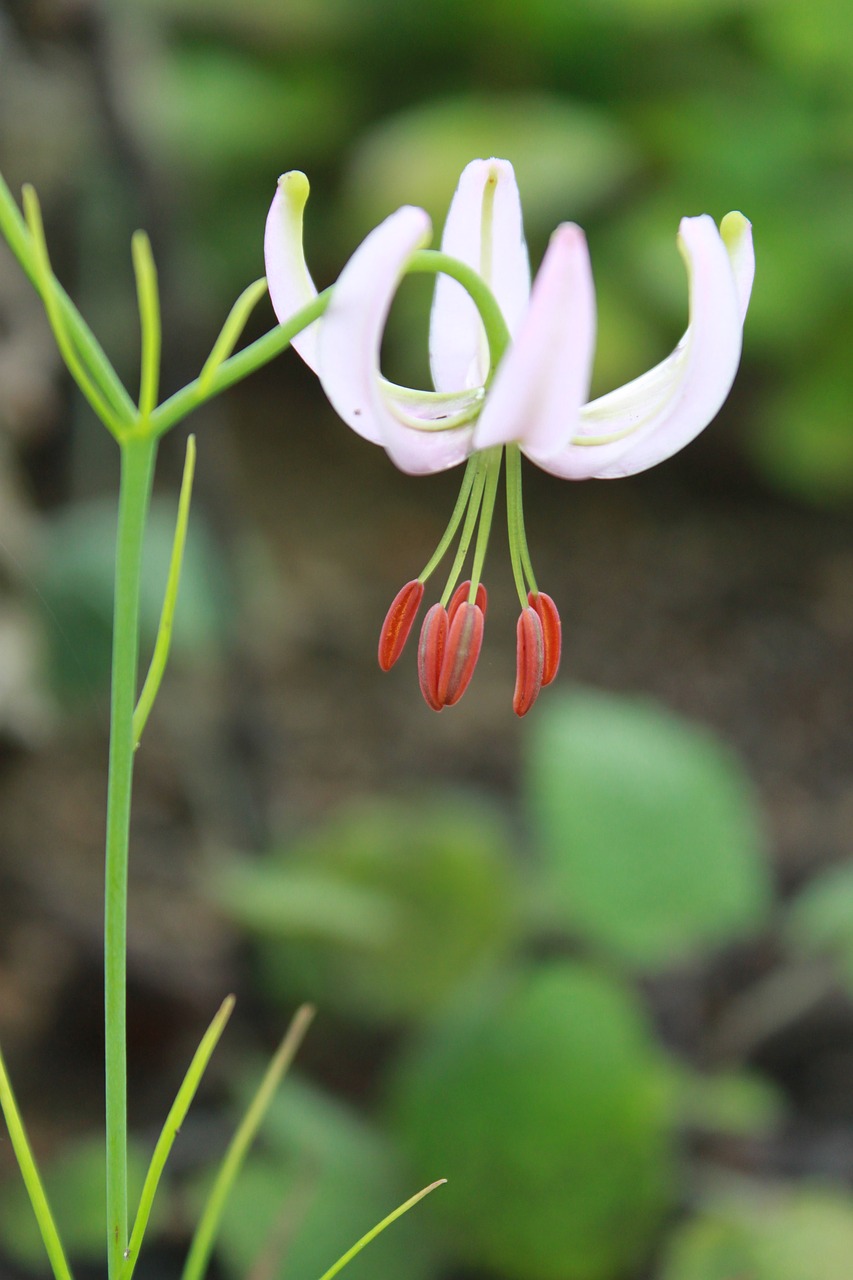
[(533, 402)]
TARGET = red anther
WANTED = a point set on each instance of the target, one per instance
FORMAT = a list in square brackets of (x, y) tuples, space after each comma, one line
[(552, 633), (398, 623), (461, 593), (530, 661), (461, 653), (431, 649)]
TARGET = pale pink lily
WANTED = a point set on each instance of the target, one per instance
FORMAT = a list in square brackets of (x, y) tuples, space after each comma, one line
[(537, 399)]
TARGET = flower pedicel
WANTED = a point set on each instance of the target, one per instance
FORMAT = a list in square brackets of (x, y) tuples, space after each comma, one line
[(521, 389)]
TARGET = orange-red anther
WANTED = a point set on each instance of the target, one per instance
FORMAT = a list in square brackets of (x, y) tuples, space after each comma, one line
[(461, 594), (431, 650), (398, 623), (552, 633), (461, 652), (530, 661)]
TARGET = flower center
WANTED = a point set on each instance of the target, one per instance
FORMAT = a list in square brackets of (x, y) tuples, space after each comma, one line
[(452, 632)]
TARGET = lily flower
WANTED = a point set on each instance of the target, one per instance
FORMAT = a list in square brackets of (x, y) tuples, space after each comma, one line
[(534, 402)]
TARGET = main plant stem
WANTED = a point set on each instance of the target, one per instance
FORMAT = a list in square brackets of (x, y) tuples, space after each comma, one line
[(137, 468)]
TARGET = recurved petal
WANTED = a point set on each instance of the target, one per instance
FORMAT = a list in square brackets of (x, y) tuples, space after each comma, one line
[(736, 231), (288, 278), (349, 350), (351, 335), (651, 418), (543, 380), (483, 229)]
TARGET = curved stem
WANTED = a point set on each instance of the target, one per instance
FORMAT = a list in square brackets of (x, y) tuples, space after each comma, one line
[(137, 468), (432, 262), (255, 356)]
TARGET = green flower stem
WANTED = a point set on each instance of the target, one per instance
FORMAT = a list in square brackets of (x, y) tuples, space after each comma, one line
[(170, 1131), (237, 367), (163, 642), (230, 333), (380, 1227), (137, 466), (497, 333), (262, 350), (32, 1181), (149, 322), (232, 1162)]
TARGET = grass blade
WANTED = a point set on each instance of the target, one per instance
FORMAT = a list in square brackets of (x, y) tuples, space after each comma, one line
[(163, 643), (208, 1226), (32, 1181), (170, 1131), (379, 1228)]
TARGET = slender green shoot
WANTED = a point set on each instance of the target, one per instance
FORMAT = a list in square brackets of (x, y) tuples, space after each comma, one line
[(230, 333), (45, 281), (20, 241), (237, 367), (163, 642), (32, 1181), (378, 1229), (149, 322), (170, 1131), (208, 1227)]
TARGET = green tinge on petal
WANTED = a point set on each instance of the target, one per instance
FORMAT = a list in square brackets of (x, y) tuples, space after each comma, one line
[(288, 278)]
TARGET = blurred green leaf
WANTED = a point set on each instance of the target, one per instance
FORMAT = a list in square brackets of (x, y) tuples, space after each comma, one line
[(819, 921), (76, 1187), (734, 1103), (762, 1235), (802, 440), (385, 910), (322, 1180), (212, 108), (546, 1107), (568, 157), (648, 828)]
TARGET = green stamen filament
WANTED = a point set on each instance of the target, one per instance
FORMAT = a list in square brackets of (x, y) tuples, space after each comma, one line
[(453, 523), (522, 568), (468, 527), (492, 459)]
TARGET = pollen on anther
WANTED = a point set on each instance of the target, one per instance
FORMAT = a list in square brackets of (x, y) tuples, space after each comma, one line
[(552, 632), (431, 650), (530, 661), (464, 641), (398, 623)]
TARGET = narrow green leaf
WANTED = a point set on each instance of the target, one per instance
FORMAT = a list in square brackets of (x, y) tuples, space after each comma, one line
[(149, 321), (32, 1181), (379, 1228), (45, 282), (170, 1131), (163, 642), (208, 1226), (20, 241), (230, 333)]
